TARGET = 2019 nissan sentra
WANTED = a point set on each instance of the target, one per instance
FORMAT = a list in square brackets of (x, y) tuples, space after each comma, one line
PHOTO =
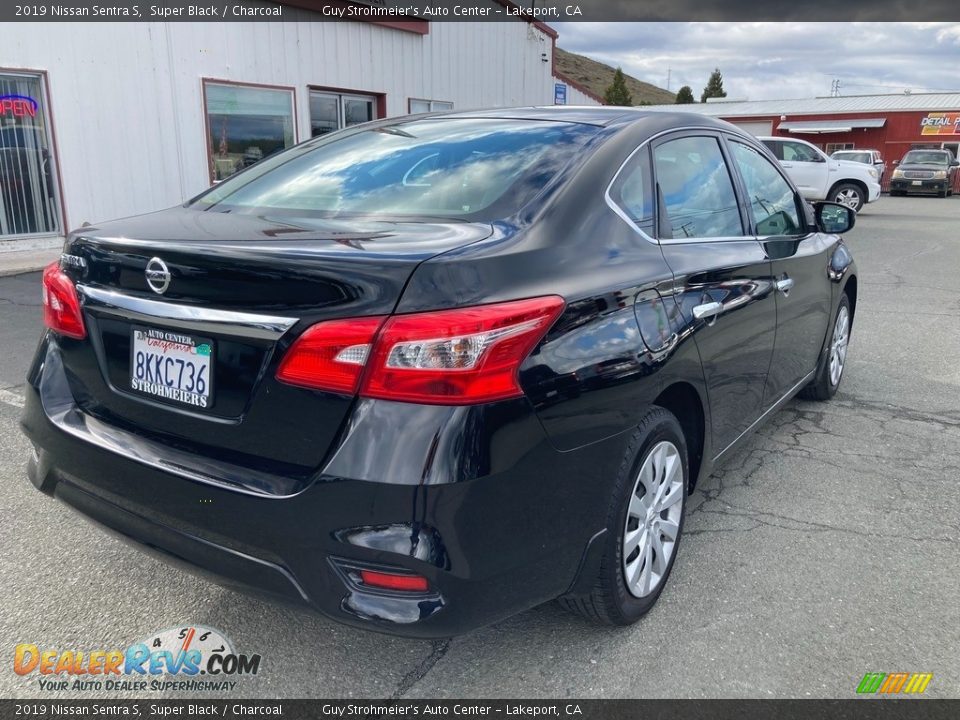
[(429, 372)]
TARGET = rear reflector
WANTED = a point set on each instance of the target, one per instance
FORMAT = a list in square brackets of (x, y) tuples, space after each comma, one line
[(330, 355), (447, 357), (61, 304), (392, 581)]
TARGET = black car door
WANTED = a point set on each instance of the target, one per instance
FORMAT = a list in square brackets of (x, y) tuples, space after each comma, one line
[(799, 260), (722, 277)]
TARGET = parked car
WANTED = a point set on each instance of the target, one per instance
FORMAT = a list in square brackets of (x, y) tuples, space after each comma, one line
[(867, 157), (421, 407), (925, 172), (819, 177)]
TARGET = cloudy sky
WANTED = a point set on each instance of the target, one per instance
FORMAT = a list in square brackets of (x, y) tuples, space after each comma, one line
[(766, 61)]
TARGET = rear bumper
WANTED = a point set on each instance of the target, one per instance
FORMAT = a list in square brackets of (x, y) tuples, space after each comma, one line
[(511, 536), (924, 186)]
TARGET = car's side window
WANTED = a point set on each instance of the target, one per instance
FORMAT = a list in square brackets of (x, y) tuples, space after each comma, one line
[(772, 200), (797, 152), (633, 191), (697, 192)]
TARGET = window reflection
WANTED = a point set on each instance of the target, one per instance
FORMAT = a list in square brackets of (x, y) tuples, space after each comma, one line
[(246, 125)]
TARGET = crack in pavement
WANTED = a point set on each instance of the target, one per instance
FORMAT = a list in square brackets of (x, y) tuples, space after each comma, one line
[(437, 651), (787, 432), (804, 525)]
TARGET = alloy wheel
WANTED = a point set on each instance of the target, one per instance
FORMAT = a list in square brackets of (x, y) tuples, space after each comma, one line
[(838, 345), (849, 197), (653, 519)]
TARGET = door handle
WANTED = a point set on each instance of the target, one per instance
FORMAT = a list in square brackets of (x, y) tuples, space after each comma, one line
[(785, 285), (784, 164), (707, 310)]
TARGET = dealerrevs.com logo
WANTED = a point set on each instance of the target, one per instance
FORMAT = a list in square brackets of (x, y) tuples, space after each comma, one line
[(191, 658)]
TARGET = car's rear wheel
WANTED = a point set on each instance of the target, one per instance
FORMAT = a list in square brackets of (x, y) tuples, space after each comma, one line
[(644, 524), (830, 372), (850, 195)]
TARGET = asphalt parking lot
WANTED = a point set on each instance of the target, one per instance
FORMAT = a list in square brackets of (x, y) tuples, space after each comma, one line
[(828, 547)]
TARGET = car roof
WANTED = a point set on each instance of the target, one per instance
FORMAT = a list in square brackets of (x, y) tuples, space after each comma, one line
[(601, 115)]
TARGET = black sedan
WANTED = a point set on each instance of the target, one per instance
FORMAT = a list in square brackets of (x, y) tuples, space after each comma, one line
[(428, 372)]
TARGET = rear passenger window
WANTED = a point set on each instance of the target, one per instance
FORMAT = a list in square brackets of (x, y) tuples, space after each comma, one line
[(697, 191), (633, 191), (772, 200)]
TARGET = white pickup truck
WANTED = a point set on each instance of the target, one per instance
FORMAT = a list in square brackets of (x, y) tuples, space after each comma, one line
[(819, 177)]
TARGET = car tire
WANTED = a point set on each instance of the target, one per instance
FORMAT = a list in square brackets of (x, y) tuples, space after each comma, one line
[(657, 447), (942, 193), (850, 195), (829, 375)]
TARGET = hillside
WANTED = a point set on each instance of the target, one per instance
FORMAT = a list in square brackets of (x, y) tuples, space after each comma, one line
[(596, 77)]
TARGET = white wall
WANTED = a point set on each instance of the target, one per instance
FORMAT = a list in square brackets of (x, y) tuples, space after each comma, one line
[(575, 97), (127, 100)]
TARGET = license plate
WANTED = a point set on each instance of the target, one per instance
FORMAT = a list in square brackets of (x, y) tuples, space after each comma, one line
[(916, 182), (172, 366)]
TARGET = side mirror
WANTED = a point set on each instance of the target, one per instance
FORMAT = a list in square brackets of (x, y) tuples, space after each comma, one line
[(834, 218), (955, 163)]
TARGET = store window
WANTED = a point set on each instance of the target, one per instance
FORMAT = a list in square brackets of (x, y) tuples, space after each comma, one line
[(330, 111), (833, 147), (28, 181), (423, 106), (246, 123)]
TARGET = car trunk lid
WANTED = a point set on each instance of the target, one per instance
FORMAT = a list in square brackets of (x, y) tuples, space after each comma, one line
[(240, 289)]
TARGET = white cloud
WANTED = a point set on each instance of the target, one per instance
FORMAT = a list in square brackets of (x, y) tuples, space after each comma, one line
[(778, 60)]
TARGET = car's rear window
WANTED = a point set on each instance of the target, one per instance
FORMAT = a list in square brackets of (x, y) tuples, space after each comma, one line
[(470, 168), (862, 157)]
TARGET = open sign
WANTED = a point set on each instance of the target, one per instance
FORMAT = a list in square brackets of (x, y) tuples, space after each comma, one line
[(18, 106)]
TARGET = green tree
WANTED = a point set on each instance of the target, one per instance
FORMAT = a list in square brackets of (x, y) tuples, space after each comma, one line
[(685, 95), (617, 93), (714, 88)]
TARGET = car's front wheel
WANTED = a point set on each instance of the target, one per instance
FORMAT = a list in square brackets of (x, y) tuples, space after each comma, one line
[(643, 524), (850, 195)]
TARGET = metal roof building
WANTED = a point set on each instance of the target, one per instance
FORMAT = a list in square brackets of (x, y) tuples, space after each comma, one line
[(823, 105), (892, 124)]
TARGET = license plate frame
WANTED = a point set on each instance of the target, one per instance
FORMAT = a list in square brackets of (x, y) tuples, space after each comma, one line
[(176, 346), (917, 182)]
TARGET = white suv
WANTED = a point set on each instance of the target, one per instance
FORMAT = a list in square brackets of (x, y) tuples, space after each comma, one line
[(819, 177)]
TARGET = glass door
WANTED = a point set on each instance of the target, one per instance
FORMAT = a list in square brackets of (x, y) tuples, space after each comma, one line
[(29, 198)]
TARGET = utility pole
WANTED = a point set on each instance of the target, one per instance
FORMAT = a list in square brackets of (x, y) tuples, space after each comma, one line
[(668, 78), (835, 88)]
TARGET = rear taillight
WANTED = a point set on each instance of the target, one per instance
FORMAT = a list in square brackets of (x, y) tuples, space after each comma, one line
[(330, 355), (61, 304), (458, 357), (447, 357)]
